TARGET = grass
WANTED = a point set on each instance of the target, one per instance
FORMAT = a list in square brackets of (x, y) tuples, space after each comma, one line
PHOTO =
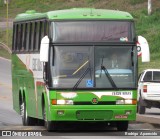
[(4, 53), (147, 26), (3, 37), (133, 2)]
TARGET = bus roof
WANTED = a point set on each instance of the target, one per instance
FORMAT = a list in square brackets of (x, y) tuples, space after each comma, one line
[(75, 14)]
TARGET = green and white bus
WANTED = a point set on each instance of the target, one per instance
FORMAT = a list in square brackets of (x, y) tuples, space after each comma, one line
[(62, 70)]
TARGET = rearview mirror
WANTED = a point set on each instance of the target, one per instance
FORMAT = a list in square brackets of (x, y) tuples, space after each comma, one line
[(44, 49)]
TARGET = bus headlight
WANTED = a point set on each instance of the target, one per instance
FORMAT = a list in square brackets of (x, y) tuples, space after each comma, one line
[(63, 102), (69, 102), (60, 102), (120, 102), (127, 101)]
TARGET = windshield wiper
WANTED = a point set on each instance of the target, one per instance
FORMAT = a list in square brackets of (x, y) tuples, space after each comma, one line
[(107, 74), (82, 76)]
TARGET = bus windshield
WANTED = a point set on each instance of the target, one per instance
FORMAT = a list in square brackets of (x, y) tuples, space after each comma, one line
[(92, 31), (70, 63), (118, 62)]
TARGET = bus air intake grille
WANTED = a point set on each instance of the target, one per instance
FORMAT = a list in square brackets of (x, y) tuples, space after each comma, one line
[(94, 115), (99, 103)]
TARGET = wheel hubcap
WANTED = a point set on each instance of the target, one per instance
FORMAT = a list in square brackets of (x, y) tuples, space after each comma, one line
[(22, 109), (44, 115)]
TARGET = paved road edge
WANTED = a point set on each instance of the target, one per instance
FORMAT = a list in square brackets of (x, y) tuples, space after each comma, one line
[(5, 59), (147, 119)]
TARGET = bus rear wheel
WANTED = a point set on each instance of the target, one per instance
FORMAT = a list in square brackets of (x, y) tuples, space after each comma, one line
[(122, 125), (26, 120)]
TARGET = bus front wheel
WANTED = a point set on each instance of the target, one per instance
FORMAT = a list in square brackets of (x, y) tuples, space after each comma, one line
[(122, 125), (48, 124)]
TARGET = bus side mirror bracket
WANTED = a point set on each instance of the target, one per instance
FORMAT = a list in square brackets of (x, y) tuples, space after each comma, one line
[(143, 49), (44, 49)]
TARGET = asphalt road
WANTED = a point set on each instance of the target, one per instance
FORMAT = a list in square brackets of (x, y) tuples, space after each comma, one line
[(10, 120), (7, 115), (153, 112)]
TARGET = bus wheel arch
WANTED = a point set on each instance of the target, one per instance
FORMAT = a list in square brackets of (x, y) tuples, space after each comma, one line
[(20, 102), (44, 111), (26, 120), (48, 124), (43, 106), (22, 105)]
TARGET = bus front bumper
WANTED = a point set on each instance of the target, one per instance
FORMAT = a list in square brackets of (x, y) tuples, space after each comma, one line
[(92, 113)]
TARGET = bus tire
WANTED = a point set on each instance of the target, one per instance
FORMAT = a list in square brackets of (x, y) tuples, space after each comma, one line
[(49, 125), (26, 120), (122, 125)]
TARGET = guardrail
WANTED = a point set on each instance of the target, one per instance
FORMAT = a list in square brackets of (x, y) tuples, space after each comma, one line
[(5, 47)]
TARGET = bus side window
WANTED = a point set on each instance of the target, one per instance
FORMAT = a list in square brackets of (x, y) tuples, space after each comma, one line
[(34, 36), (18, 38), (31, 37), (41, 32), (27, 36), (42, 29), (21, 33), (46, 29), (37, 36), (14, 37), (23, 37)]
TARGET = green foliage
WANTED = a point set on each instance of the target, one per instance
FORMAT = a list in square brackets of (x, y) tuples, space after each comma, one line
[(3, 52), (92, 1), (149, 27), (3, 36), (133, 2)]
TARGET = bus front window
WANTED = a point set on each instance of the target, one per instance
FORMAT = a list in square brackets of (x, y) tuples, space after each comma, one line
[(117, 64), (70, 63), (93, 67)]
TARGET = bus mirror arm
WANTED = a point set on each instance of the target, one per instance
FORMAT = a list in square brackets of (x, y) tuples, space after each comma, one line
[(44, 74), (46, 81)]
